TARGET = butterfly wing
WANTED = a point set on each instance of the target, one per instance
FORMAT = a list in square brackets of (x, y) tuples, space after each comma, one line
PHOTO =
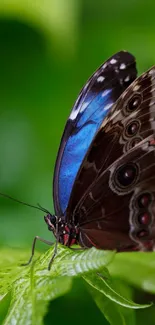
[(118, 211), (108, 213), (131, 119), (96, 98)]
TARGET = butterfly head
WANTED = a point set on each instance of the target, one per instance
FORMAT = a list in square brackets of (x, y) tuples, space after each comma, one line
[(66, 234), (51, 222)]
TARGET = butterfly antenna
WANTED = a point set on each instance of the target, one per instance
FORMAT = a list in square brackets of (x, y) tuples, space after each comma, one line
[(42, 209), (38, 207)]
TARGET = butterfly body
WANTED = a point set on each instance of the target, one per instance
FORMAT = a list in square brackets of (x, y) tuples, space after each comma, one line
[(104, 183), (68, 234)]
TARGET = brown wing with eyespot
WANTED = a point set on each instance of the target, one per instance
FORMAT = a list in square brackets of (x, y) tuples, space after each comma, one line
[(118, 210), (129, 122)]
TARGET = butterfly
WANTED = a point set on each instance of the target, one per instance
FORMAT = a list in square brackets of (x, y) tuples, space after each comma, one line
[(104, 181)]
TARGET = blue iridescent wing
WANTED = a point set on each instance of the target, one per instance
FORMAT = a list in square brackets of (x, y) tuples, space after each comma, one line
[(94, 101)]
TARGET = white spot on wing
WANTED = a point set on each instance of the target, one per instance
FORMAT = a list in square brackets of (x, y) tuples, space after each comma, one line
[(113, 61), (106, 92), (152, 71), (84, 106), (136, 87), (116, 70), (100, 78), (106, 108), (78, 110), (73, 114), (122, 66), (127, 78), (104, 65)]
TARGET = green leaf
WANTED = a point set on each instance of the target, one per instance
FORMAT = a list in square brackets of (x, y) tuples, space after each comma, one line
[(103, 283), (137, 269), (29, 294), (4, 306), (70, 262), (32, 287), (10, 268), (128, 314), (30, 298), (114, 313), (109, 309)]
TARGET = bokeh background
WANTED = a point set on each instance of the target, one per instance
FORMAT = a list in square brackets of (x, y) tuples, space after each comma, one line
[(48, 49)]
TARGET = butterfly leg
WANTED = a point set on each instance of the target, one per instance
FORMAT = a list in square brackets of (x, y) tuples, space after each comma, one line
[(33, 248), (53, 256), (56, 244)]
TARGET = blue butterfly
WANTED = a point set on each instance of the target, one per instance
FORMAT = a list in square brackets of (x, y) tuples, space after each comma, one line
[(104, 181)]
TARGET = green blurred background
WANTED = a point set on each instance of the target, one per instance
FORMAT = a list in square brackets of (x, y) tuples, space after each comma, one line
[(48, 49)]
